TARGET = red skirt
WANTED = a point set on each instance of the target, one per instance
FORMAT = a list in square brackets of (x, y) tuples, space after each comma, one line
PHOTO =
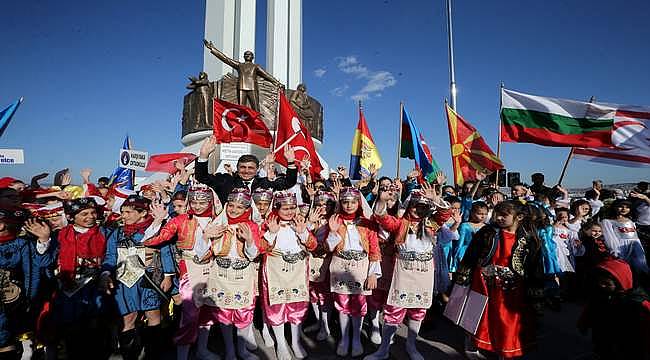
[(507, 327)]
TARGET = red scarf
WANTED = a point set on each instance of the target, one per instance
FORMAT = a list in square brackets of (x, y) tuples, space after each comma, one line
[(73, 245), (7, 238), (244, 217), (207, 213), (130, 230)]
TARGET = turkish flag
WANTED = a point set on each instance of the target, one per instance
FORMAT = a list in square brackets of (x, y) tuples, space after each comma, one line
[(237, 123), (291, 131), (165, 162)]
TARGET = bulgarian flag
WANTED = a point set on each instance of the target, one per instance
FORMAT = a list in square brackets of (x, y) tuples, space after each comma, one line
[(364, 151), (554, 122), (469, 152)]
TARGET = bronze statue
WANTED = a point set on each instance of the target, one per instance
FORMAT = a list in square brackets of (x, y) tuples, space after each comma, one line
[(197, 104), (247, 88), (301, 102)]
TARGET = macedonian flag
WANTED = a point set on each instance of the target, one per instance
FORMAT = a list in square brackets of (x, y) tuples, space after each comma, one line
[(469, 152)]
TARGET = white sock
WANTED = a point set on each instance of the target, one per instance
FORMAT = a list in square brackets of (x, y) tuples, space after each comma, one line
[(413, 330), (266, 335), (242, 343), (357, 347), (324, 331), (344, 344), (375, 335), (296, 345), (282, 351)]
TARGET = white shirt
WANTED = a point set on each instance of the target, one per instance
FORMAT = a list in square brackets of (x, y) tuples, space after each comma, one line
[(352, 242), (286, 239)]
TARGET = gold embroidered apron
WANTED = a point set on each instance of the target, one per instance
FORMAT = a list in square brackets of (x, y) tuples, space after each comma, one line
[(349, 276), (286, 281), (230, 283), (412, 281), (319, 268), (198, 275)]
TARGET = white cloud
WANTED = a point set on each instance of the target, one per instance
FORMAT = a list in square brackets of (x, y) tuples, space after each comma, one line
[(319, 72), (375, 81), (339, 91)]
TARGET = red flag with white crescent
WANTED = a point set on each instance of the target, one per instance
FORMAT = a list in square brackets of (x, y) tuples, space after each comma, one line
[(291, 131), (237, 123)]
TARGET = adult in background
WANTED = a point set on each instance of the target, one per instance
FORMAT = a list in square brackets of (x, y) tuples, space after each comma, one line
[(246, 175)]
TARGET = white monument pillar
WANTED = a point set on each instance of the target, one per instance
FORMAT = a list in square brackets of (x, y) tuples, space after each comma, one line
[(284, 41), (230, 25)]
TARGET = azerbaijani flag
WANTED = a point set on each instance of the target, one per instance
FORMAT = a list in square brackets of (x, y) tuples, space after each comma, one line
[(554, 122), (469, 152), (414, 147), (364, 152)]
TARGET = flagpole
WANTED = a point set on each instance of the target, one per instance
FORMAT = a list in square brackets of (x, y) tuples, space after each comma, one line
[(277, 116), (399, 139), (452, 71), (570, 156), (496, 177)]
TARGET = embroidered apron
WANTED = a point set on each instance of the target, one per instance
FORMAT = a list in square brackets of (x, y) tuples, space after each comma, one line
[(230, 283), (412, 284), (318, 268), (130, 264), (198, 275), (348, 276), (286, 281)]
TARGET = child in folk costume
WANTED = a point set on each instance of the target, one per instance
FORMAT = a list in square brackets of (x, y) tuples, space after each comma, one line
[(412, 284), (319, 260), (621, 237), (354, 268), (198, 311), (503, 262), (477, 217), (262, 198), (285, 286), (143, 276), (232, 280), (377, 300), (21, 263), (81, 302)]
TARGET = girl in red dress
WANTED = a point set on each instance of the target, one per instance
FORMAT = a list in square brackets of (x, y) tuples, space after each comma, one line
[(504, 263)]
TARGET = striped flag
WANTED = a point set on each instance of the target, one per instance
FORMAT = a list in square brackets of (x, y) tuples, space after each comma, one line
[(469, 152), (630, 137), (364, 151), (554, 122)]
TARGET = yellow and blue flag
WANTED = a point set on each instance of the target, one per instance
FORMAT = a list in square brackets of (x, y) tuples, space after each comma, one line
[(364, 152)]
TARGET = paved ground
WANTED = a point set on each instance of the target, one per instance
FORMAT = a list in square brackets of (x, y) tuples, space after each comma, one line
[(558, 339)]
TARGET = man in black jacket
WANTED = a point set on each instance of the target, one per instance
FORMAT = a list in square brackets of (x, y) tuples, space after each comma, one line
[(246, 175)]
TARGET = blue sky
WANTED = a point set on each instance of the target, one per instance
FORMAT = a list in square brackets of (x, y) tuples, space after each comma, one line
[(91, 72)]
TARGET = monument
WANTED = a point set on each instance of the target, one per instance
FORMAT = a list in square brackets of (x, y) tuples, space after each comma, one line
[(230, 73)]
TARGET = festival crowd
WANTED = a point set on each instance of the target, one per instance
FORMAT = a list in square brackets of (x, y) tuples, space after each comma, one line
[(94, 269)]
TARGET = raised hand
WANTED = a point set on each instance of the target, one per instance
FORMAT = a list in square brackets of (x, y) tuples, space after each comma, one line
[(214, 230), (208, 146), (244, 233), (372, 169), (38, 229), (301, 224), (273, 223), (158, 211), (334, 223), (85, 175), (343, 172), (311, 190), (66, 179), (456, 215), (336, 187), (414, 174), (315, 214), (481, 175), (441, 177), (289, 154), (430, 191)]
